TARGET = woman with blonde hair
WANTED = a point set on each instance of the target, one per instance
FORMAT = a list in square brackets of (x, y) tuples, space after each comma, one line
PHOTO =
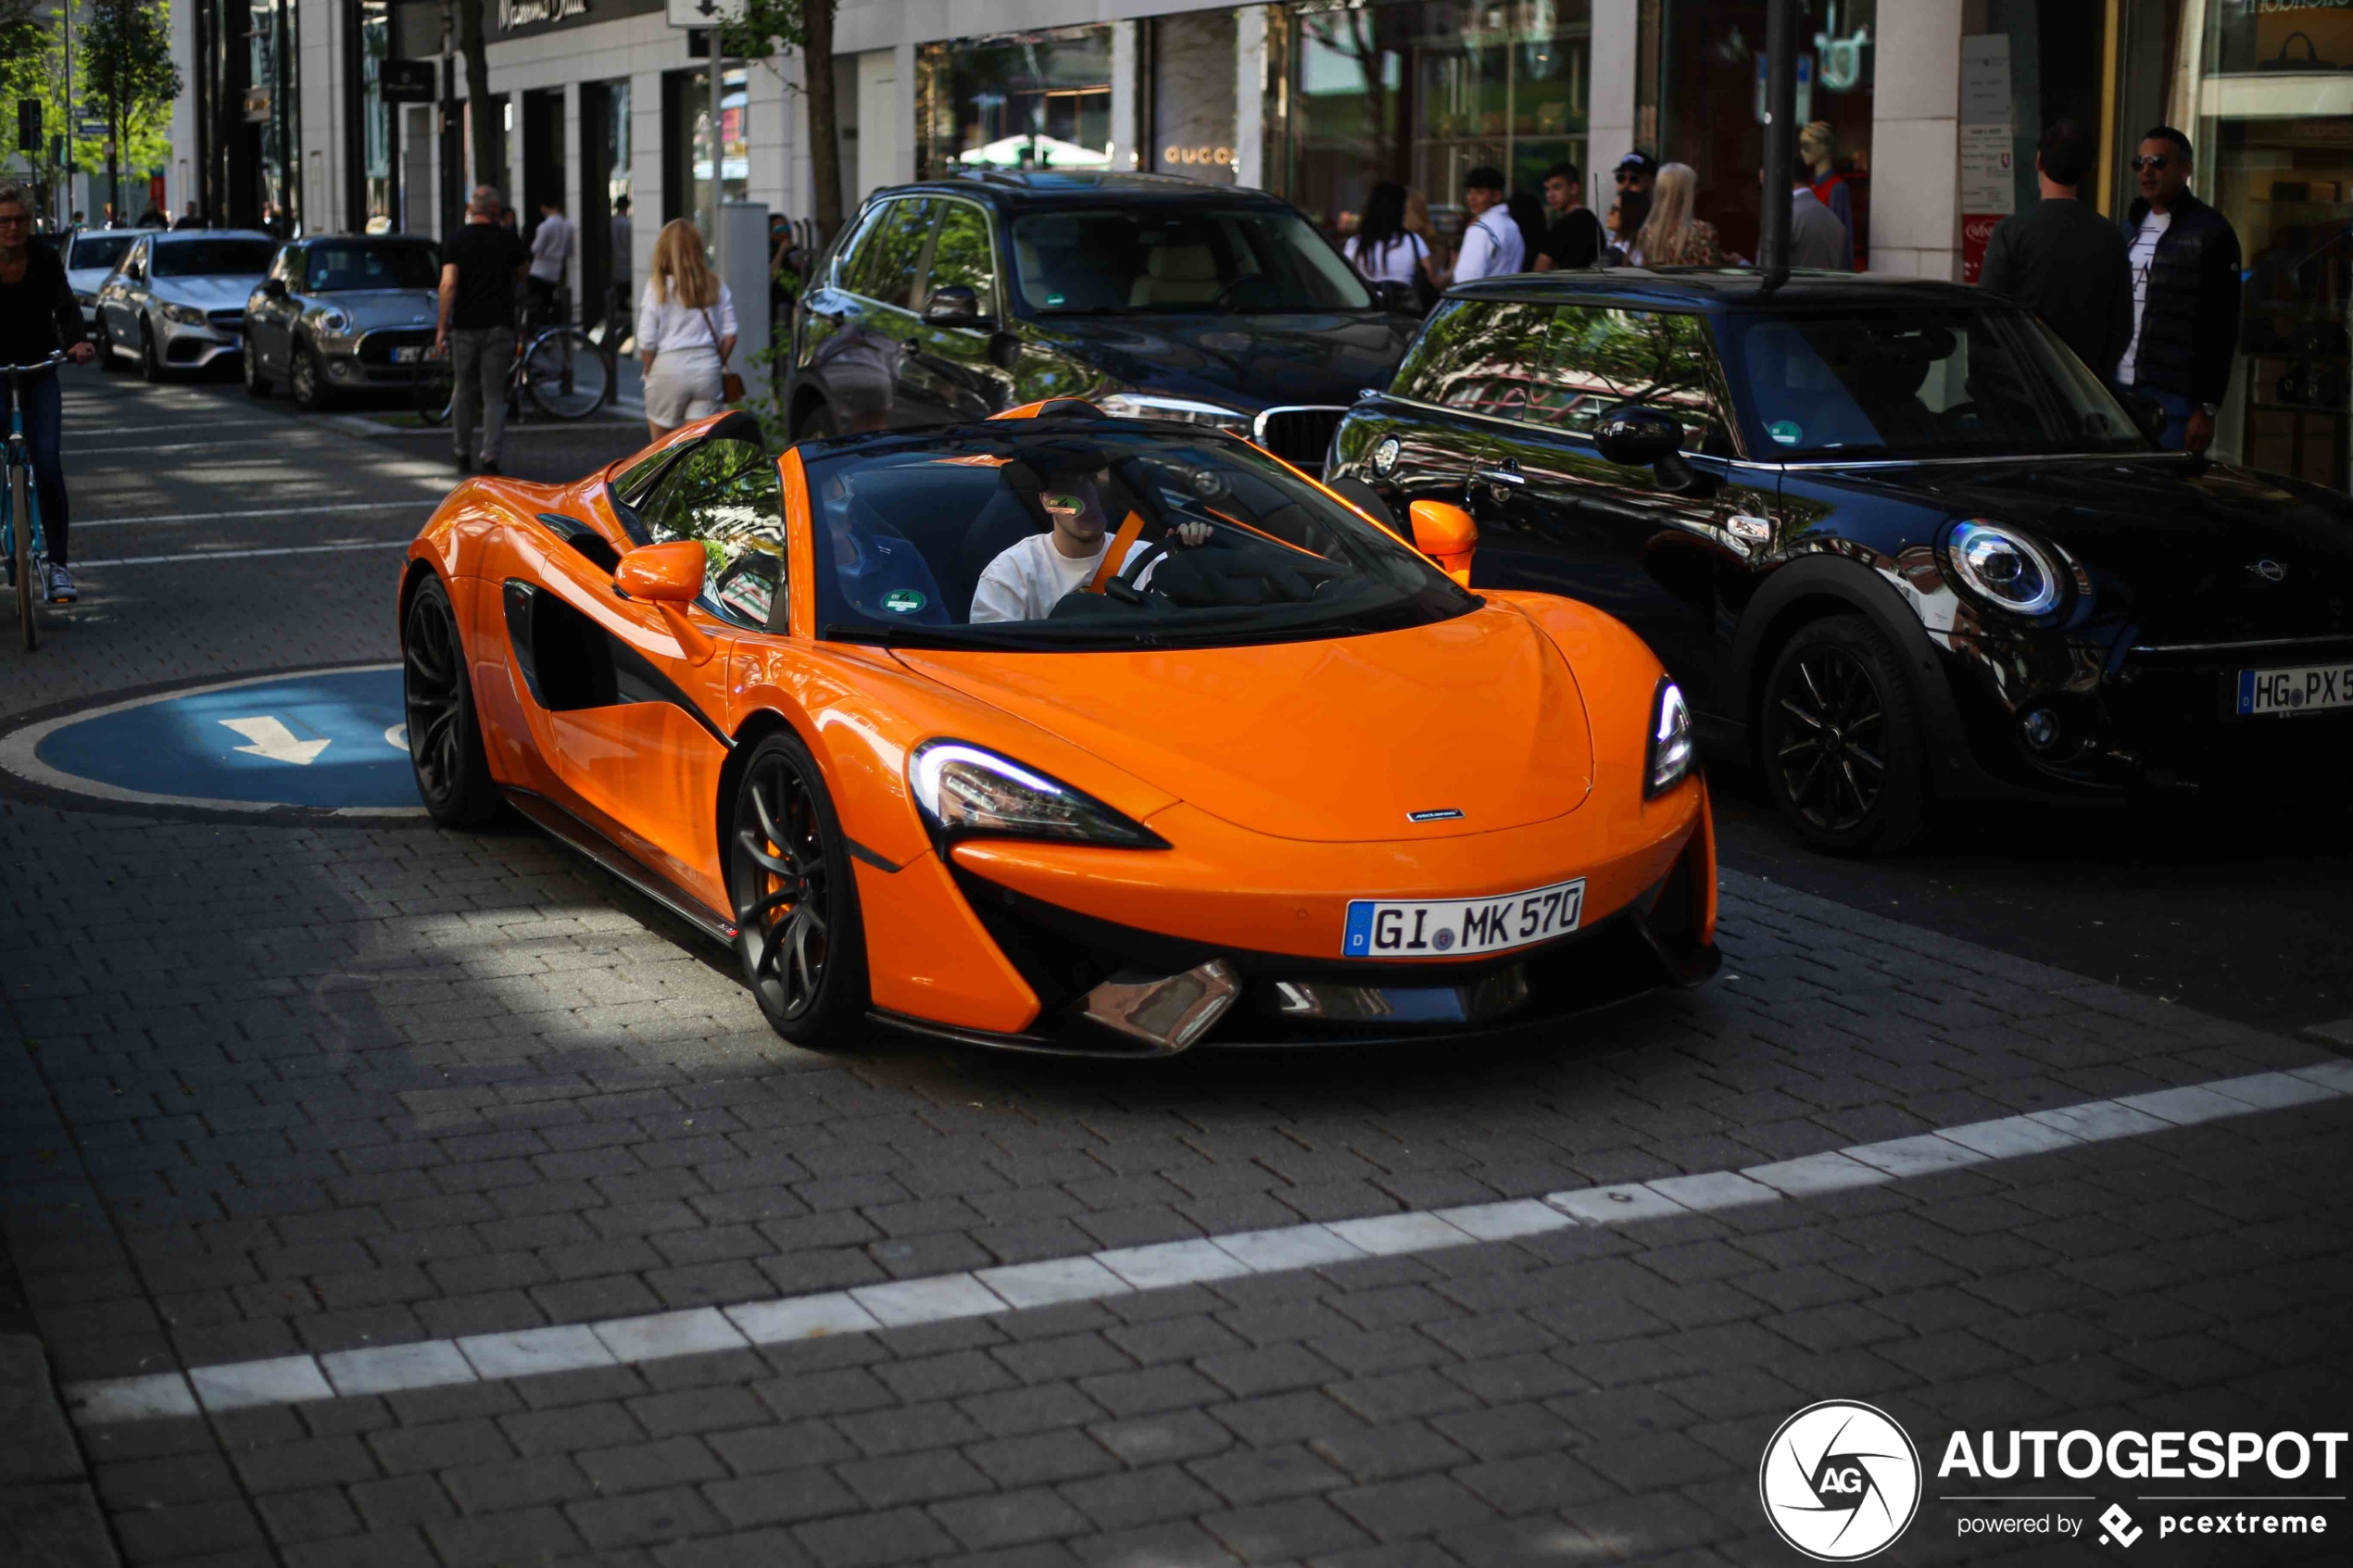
[(1671, 236), (686, 330)]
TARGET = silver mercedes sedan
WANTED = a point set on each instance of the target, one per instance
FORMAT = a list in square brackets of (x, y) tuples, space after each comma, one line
[(176, 301)]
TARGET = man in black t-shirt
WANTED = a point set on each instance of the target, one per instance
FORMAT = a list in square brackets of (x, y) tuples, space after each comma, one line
[(482, 268), (1572, 235)]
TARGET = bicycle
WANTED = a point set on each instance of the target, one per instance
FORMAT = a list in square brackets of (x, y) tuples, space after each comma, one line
[(562, 371), (26, 549)]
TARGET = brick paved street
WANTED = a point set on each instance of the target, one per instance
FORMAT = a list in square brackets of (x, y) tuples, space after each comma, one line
[(283, 1089)]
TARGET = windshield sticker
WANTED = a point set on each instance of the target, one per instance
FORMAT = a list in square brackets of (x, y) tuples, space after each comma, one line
[(903, 601), (1787, 431), (1054, 299)]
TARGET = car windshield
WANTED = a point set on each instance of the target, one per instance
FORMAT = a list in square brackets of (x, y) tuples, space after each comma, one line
[(954, 538), (97, 250), (1111, 262), (212, 259), (1918, 383), (332, 268)]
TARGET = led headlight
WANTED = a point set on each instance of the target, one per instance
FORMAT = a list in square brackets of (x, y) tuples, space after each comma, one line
[(1671, 754), (186, 315), (2004, 566), (962, 790), (334, 321), (1186, 410)]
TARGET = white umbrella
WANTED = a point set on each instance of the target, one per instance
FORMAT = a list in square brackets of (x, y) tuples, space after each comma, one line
[(1044, 152)]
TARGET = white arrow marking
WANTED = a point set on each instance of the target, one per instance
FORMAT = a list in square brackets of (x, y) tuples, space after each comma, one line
[(398, 738), (274, 741)]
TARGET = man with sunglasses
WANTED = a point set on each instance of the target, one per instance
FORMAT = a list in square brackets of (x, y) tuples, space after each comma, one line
[(39, 316), (2185, 295)]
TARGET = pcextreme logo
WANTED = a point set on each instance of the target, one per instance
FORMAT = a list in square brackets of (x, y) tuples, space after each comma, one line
[(1839, 1481)]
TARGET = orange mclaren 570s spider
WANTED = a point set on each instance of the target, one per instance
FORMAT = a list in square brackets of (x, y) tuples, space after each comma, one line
[(1066, 734)]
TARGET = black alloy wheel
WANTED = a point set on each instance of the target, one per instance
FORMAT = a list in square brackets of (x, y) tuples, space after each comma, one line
[(1841, 739), (796, 904), (103, 341), (150, 366), (306, 378), (257, 385), (445, 737)]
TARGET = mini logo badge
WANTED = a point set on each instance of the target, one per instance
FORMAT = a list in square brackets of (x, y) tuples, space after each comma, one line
[(2270, 571), (1444, 814), (2120, 1529), (1839, 1481), (1385, 455)]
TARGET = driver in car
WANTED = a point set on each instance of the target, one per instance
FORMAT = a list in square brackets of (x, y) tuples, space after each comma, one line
[(1028, 579)]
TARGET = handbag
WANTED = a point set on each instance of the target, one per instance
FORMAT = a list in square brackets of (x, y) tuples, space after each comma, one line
[(2311, 62), (731, 385)]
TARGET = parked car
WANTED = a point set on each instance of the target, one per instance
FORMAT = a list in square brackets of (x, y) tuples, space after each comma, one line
[(176, 301), (1152, 296), (89, 255), (1275, 776), (1895, 543), (341, 313)]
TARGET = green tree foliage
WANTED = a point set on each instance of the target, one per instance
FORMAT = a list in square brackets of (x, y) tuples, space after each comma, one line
[(764, 28), (124, 60)]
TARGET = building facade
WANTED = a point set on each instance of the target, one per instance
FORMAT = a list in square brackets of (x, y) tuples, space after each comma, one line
[(1932, 108)]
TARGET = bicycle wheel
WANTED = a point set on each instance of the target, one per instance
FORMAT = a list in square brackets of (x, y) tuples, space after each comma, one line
[(569, 375), (29, 585), (433, 388)]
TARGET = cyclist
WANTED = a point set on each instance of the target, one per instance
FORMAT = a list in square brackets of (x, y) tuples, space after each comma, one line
[(39, 316), (482, 266)]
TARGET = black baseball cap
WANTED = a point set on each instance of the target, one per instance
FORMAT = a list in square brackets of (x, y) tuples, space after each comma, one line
[(1639, 163)]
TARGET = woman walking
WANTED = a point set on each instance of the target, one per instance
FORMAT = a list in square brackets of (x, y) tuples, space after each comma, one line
[(1671, 236), (1382, 249), (686, 330)]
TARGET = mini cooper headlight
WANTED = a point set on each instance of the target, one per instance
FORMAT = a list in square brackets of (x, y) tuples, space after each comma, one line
[(2004, 566), (963, 790), (186, 315), (1187, 410), (1671, 754), (334, 321)]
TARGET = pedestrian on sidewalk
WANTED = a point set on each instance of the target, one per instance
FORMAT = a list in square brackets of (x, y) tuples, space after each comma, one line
[(1674, 235), (482, 269), (1573, 237), (1382, 249), (2064, 261), (1818, 150), (1817, 240), (2185, 295), (624, 264), (1491, 245), (551, 262), (686, 330)]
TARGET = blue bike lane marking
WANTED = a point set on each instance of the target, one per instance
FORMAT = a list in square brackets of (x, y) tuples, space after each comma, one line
[(331, 741)]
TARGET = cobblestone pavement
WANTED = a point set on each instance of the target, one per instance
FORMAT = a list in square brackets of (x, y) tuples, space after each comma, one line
[(276, 1089)]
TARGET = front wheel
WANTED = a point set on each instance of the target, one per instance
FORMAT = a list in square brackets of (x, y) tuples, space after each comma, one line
[(444, 736), (1844, 752), (257, 385), (568, 374), (796, 905), (30, 588), (306, 378), (150, 363), (103, 341)]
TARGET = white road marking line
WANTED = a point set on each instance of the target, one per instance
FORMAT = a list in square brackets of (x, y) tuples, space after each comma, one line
[(185, 557), (292, 511), (1092, 1276), (213, 444)]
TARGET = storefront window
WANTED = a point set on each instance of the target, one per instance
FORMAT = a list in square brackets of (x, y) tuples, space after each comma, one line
[(271, 111), (1711, 98), (1423, 92), (375, 115), (735, 156), (1022, 100), (2276, 160)]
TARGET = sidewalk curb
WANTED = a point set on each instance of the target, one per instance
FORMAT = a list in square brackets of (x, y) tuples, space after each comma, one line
[(48, 1513)]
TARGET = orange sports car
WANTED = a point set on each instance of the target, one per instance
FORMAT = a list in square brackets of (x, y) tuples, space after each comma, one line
[(1063, 733)]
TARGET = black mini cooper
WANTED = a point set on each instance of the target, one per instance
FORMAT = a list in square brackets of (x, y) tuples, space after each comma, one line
[(1895, 542)]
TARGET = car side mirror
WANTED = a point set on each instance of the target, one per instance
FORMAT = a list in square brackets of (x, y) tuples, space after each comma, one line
[(670, 578), (274, 287), (1635, 435), (954, 305), (1446, 534), (2148, 414)]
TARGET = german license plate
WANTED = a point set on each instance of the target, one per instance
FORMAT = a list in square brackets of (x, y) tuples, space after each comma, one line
[(1454, 927), (2308, 688), (407, 356)]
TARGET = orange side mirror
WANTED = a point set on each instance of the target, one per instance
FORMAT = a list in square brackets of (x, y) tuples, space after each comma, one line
[(669, 577), (1446, 534)]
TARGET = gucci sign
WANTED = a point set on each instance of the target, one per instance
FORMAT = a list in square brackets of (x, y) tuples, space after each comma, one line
[(1172, 154)]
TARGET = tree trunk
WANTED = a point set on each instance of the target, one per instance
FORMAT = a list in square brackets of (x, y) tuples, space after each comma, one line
[(482, 110), (824, 140)]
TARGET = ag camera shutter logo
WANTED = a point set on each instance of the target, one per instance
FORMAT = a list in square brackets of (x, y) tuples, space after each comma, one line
[(1839, 1481)]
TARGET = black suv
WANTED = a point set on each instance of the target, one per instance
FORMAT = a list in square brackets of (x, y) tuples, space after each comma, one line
[(1152, 296), (1892, 538)]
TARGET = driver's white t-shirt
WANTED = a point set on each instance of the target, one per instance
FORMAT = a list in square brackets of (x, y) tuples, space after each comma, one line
[(1023, 582)]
